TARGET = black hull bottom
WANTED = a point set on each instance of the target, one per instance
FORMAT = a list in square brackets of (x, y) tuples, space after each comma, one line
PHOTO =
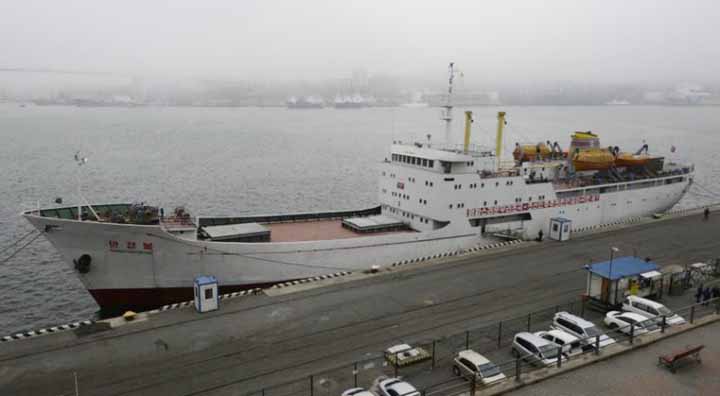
[(115, 302)]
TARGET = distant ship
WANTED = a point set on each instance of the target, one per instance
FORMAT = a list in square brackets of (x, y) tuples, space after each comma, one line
[(616, 102), (305, 102), (432, 199), (351, 102)]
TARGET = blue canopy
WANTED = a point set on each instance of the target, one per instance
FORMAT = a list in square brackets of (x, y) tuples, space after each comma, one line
[(622, 267)]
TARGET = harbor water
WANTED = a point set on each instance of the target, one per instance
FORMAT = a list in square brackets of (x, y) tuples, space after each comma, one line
[(235, 161)]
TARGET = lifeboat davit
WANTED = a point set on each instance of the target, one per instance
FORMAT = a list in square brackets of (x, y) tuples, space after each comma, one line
[(529, 152), (596, 159), (630, 159)]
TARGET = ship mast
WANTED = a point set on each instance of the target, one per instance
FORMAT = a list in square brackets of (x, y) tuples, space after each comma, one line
[(447, 114)]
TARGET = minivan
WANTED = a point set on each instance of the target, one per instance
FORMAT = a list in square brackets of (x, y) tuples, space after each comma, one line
[(469, 364), (534, 349), (570, 344), (584, 330), (651, 309)]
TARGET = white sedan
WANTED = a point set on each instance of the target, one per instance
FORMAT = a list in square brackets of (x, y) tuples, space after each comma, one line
[(357, 392), (397, 387), (624, 320)]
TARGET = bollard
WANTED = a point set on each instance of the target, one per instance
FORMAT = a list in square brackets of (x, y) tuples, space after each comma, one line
[(263, 392), (467, 339), (518, 366), (473, 385), (663, 324), (582, 308), (597, 344), (355, 374), (692, 314), (312, 386), (632, 334), (559, 362), (500, 334)]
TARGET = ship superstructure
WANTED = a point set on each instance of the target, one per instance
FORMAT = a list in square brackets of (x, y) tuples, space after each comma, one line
[(433, 198)]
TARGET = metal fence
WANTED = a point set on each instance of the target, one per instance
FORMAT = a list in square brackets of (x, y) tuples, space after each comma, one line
[(489, 340)]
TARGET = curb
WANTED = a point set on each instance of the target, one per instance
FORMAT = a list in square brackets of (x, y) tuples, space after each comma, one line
[(168, 307), (308, 280), (49, 330), (457, 252)]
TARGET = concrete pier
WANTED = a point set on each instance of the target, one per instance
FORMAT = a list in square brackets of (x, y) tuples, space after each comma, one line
[(256, 341)]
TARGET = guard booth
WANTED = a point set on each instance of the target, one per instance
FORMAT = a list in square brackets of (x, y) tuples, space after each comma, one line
[(609, 282), (560, 228), (206, 293)]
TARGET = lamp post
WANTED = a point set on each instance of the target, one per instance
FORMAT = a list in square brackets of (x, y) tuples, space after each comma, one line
[(613, 250)]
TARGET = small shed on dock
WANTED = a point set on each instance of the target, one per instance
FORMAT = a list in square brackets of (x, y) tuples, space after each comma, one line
[(610, 282)]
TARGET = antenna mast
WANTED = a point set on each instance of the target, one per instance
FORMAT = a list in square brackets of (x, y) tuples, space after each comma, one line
[(447, 114)]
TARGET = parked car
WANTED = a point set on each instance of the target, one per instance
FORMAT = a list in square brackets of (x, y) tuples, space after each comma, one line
[(404, 354), (358, 392), (651, 309), (535, 350), (585, 330), (397, 387), (624, 320), (570, 344), (469, 364)]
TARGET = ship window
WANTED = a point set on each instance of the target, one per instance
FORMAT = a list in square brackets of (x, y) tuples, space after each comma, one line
[(495, 202), (424, 163), (426, 182), (497, 184), (431, 184), (450, 206), (529, 199), (482, 185)]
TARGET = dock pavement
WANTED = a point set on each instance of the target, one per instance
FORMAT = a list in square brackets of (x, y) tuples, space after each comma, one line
[(254, 342)]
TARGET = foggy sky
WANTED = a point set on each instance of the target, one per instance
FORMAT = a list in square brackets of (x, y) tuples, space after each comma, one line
[(598, 41)]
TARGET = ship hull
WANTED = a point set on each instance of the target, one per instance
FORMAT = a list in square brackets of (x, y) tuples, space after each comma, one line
[(160, 267), (145, 266)]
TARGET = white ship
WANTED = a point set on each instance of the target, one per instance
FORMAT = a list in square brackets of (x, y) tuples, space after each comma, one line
[(432, 199)]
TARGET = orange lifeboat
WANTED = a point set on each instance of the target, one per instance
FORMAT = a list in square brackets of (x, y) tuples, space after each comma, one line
[(629, 159), (594, 159), (529, 152)]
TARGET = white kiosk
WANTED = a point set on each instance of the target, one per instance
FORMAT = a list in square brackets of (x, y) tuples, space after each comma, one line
[(560, 228), (206, 293)]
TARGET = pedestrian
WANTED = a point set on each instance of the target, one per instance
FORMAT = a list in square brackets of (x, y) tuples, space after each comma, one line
[(540, 236), (706, 296), (698, 294), (706, 214)]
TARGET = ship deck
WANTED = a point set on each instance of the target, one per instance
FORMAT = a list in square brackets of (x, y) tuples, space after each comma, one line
[(317, 230)]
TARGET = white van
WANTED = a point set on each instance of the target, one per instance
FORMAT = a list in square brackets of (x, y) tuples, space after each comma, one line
[(570, 344), (469, 364), (580, 328), (534, 349), (651, 309)]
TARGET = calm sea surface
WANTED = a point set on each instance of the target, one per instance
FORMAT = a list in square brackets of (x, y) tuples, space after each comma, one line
[(230, 161)]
